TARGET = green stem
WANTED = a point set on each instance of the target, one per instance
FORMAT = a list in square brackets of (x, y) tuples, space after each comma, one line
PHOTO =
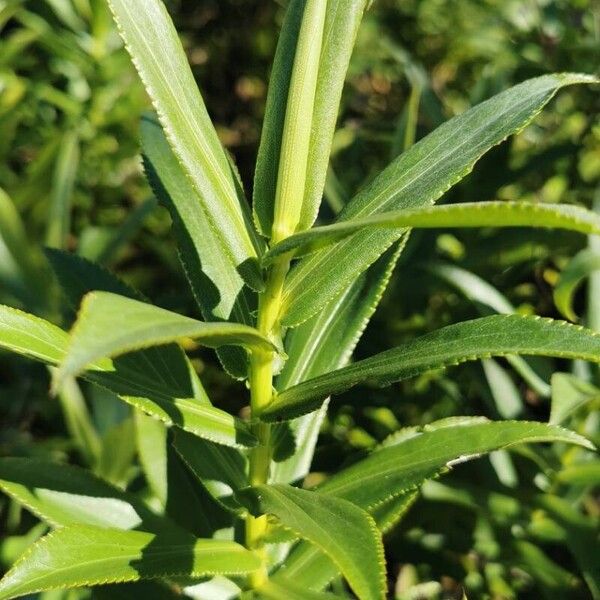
[(261, 392)]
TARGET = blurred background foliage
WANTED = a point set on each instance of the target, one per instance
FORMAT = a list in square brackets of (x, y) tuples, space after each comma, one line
[(518, 525)]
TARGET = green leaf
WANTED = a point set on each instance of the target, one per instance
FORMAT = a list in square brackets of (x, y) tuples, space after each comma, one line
[(497, 335), (109, 325), (64, 495), (59, 216), (84, 556), (21, 267), (157, 54), (151, 442), (395, 469), (220, 470), (169, 390), (416, 179), (143, 589), (78, 276), (569, 394), (585, 262), (324, 343), (343, 531), (342, 19), (467, 214), (216, 284)]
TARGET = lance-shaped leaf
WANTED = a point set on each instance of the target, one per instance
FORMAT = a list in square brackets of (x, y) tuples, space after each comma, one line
[(569, 394), (324, 343), (309, 568), (158, 381), (342, 19), (346, 533), (468, 214), (498, 335), (216, 283), (583, 264), (416, 179), (158, 56), (83, 556), (398, 468), (63, 495), (109, 325)]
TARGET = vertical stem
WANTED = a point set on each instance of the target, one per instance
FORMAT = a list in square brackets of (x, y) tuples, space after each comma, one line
[(261, 391)]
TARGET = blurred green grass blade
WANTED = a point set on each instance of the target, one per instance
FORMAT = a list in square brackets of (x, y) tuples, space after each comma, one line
[(108, 251), (341, 25), (497, 335), (63, 495), (344, 532), (506, 395), (159, 381), (416, 179), (324, 343), (79, 422), (217, 286), (151, 444), (21, 262), (569, 394), (581, 266), (468, 214), (581, 536), (296, 133), (61, 198), (81, 556), (485, 297), (157, 54), (396, 469), (109, 325)]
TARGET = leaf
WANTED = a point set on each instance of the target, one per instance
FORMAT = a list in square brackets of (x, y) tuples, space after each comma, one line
[(323, 343), (147, 590), (399, 468), (296, 133), (109, 325), (328, 523), (219, 469), (64, 495), (78, 276), (497, 335), (581, 535), (342, 19), (569, 394), (169, 390), (216, 284), (416, 179), (585, 262), (84, 556), (151, 441), (467, 214), (59, 215), (151, 39)]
